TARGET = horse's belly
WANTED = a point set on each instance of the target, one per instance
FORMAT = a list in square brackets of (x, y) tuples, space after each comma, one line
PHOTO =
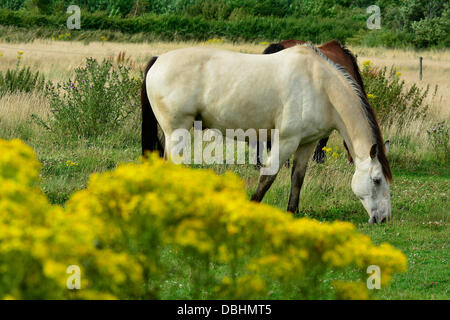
[(248, 115)]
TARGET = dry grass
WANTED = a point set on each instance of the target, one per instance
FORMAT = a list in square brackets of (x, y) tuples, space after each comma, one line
[(18, 107), (57, 59), (436, 70)]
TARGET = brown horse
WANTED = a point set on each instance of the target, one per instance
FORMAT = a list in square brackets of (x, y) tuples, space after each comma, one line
[(337, 53)]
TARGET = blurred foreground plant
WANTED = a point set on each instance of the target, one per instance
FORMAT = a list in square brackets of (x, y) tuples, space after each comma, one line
[(120, 230)]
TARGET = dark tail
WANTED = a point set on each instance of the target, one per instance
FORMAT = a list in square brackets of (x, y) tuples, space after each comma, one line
[(319, 154), (150, 139)]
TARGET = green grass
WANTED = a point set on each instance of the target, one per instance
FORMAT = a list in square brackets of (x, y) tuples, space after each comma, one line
[(419, 196)]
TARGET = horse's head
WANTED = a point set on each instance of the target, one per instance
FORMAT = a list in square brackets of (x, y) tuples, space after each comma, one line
[(371, 186)]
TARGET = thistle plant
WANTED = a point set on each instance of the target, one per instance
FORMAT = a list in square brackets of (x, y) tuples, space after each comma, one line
[(97, 101), (439, 137)]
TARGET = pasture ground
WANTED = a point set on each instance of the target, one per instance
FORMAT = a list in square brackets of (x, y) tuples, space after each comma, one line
[(419, 194)]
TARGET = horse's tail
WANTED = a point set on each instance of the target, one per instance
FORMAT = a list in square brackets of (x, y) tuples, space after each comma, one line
[(150, 140)]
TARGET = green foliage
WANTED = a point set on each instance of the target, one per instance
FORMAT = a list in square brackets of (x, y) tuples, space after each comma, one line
[(97, 101), (44, 6), (20, 79), (12, 4), (431, 32), (418, 23), (175, 27), (389, 96)]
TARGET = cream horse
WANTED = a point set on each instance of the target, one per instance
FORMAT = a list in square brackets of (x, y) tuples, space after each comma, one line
[(298, 91)]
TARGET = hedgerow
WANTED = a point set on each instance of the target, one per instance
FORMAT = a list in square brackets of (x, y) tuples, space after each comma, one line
[(182, 27), (406, 23), (119, 230)]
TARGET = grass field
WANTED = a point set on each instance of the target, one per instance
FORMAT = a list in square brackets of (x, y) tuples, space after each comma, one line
[(419, 193)]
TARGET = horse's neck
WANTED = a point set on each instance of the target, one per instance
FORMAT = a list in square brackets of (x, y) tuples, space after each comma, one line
[(350, 120)]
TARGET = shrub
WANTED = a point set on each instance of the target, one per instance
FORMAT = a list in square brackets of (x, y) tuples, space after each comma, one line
[(120, 230), (389, 96), (430, 32), (209, 222), (96, 102), (20, 79), (38, 241), (182, 27)]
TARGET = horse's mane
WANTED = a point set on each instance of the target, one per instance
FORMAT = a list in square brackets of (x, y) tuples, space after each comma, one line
[(358, 87)]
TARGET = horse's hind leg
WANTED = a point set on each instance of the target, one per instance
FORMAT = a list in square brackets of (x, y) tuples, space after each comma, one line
[(287, 146), (299, 166), (172, 133), (259, 153)]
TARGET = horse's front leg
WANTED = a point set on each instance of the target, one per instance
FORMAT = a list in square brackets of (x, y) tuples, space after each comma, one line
[(299, 166), (279, 153)]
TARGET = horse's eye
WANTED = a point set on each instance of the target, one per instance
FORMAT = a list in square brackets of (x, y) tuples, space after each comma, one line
[(377, 181)]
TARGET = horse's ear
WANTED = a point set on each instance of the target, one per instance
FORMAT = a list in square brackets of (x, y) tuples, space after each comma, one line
[(386, 146), (373, 151)]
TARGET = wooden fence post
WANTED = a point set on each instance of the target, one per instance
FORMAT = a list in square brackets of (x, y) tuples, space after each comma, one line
[(420, 67)]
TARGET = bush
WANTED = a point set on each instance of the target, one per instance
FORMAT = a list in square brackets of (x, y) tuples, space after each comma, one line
[(431, 32), (96, 102), (172, 27), (208, 221), (20, 79), (38, 241), (12, 4), (389, 96), (121, 229)]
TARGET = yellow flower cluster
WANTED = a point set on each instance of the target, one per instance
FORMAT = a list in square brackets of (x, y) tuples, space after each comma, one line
[(70, 163), (209, 217), (62, 36), (215, 40), (329, 151), (122, 225), (38, 241), (367, 65), (350, 290)]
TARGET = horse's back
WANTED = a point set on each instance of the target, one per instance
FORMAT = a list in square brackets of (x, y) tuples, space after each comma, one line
[(229, 89)]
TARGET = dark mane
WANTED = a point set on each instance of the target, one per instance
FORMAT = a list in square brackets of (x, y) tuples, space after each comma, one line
[(371, 116), (368, 110)]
